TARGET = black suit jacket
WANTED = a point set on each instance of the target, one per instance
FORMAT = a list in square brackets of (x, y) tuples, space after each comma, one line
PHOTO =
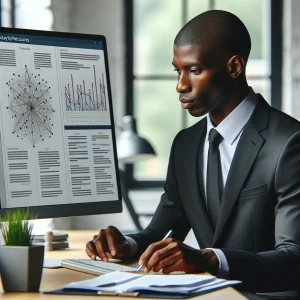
[(259, 223)]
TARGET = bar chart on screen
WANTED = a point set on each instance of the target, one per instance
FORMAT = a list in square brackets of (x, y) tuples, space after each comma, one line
[(86, 96), (83, 87)]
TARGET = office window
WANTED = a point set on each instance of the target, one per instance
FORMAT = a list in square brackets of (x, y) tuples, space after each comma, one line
[(155, 102), (5, 13), (31, 14)]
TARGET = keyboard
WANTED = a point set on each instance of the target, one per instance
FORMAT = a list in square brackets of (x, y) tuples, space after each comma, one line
[(95, 267)]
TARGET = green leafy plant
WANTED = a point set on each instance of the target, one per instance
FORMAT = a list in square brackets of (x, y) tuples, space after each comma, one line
[(16, 228)]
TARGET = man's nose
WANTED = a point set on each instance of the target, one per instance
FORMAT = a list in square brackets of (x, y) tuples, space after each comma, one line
[(183, 84)]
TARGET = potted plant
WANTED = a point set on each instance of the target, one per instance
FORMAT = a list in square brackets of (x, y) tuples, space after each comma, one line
[(21, 263)]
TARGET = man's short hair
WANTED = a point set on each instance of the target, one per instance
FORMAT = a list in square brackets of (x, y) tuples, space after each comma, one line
[(218, 28)]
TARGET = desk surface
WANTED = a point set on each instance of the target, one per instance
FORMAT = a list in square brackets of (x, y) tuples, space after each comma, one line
[(55, 278)]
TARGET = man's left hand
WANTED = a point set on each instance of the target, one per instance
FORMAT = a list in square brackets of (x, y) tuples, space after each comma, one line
[(171, 255)]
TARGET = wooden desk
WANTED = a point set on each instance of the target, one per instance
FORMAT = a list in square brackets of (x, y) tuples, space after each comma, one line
[(55, 278)]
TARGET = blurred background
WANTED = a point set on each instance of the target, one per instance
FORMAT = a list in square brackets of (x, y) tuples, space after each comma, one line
[(140, 36)]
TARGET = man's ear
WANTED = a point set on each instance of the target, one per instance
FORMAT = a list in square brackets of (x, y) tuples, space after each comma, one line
[(235, 66)]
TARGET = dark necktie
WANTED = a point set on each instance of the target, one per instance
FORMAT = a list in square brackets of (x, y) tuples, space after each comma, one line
[(214, 181)]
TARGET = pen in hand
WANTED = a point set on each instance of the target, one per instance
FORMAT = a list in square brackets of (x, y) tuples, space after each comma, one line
[(169, 234)]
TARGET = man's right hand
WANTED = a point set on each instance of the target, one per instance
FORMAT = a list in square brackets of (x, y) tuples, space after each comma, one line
[(109, 243)]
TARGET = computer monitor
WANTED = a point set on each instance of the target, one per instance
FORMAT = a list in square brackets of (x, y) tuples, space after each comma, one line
[(57, 147)]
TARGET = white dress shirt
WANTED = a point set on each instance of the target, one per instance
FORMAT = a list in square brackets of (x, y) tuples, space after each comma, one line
[(231, 129)]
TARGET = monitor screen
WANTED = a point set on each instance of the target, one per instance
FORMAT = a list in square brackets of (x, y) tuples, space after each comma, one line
[(57, 139)]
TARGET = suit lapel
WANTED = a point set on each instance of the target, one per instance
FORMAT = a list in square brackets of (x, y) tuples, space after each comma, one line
[(246, 152)]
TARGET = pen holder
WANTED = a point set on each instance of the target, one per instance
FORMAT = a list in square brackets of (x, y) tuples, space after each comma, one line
[(48, 241)]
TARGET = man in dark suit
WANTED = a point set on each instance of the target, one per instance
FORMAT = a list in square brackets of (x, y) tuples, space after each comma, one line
[(234, 177)]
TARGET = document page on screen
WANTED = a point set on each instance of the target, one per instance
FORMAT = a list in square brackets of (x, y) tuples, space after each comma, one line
[(55, 127)]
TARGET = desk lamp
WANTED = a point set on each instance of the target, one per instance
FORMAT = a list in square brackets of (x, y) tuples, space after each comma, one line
[(131, 149)]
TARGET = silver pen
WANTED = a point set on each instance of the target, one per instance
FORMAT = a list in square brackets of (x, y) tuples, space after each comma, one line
[(118, 293), (169, 234)]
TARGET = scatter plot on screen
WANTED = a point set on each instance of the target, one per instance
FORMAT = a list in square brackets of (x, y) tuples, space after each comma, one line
[(30, 106)]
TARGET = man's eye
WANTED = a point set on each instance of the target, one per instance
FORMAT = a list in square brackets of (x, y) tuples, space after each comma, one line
[(177, 71), (195, 72)]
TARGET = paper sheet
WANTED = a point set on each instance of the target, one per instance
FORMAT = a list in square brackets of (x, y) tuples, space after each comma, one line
[(109, 279), (121, 282)]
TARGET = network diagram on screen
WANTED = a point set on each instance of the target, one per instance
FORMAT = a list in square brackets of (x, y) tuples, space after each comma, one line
[(55, 125)]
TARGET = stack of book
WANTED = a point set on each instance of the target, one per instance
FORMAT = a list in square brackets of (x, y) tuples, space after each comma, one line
[(51, 240)]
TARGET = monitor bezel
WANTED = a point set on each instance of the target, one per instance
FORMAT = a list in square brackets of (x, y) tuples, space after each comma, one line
[(75, 209)]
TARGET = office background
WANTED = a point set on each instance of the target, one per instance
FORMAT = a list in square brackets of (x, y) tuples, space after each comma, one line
[(140, 36)]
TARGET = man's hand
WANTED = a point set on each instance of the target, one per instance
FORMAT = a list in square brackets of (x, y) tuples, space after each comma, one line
[(171, 255), (109, 243)]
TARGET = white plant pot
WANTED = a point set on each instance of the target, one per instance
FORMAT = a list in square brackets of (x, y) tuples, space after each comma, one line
[(21, 267)]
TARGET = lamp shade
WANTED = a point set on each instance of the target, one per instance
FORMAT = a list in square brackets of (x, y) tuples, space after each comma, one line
[(130, 146)]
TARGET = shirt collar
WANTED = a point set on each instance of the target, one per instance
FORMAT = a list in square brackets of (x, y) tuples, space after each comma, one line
[(233, 124)]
